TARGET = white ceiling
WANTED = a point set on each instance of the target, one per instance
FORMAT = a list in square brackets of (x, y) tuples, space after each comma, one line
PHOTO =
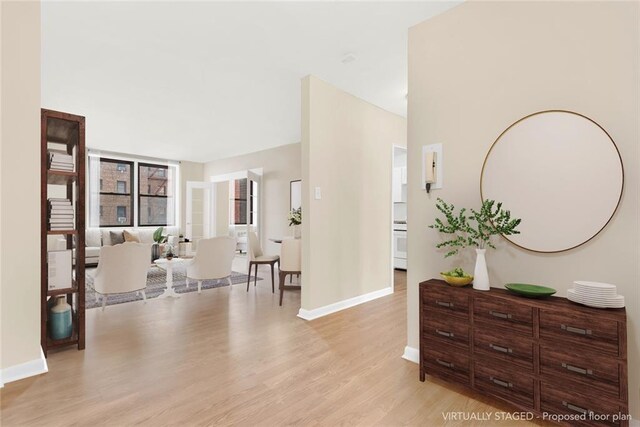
[(200, 80)]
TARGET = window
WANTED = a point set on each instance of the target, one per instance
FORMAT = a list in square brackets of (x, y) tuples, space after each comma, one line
[(240, 197), (155, 199), (116, 198)]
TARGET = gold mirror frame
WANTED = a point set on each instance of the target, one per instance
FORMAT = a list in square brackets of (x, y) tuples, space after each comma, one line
[(610, 161)]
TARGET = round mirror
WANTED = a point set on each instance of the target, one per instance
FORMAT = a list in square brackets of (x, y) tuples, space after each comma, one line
[(561, 173)]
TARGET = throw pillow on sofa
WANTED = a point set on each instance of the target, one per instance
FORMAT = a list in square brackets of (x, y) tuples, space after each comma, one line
[(117, 237), (131, 236)]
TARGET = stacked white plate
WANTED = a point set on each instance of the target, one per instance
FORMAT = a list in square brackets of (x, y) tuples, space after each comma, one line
[(594, 294)]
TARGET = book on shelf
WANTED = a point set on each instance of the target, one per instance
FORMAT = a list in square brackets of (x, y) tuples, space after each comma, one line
[(59, 153), (61, 214), (59, 201), (61, 168), (59, 267), (61, 220), (59, 156)]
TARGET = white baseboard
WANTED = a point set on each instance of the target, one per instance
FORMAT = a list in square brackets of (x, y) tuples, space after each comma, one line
[(24, 370), (411, 354), (341, 305)]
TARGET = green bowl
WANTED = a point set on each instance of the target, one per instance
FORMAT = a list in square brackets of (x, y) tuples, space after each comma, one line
[(530, 291)]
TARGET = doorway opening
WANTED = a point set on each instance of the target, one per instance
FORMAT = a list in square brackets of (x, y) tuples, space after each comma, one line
[(399, 212)]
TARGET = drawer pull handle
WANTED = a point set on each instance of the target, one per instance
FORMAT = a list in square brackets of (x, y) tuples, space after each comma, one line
[(500, 348), (445, 304), (576, 408), (573, 330), (445, 333), (501, 383), (447, 364), (500, 315), (577, 370)]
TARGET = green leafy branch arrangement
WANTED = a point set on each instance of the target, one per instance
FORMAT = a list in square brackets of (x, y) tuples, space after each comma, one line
[(475, 229), (295, 216), (158, 237)]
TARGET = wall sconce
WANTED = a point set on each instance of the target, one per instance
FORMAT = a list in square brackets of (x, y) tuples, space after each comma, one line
[(431, 167)]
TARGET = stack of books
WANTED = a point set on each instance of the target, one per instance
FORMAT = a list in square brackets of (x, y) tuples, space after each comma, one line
[(60, 214), (59, 160)]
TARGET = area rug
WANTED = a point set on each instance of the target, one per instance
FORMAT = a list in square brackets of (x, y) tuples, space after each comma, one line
[(156, 284)]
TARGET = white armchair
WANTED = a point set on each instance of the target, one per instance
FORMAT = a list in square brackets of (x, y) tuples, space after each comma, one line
[(213, 260), (122, 269)]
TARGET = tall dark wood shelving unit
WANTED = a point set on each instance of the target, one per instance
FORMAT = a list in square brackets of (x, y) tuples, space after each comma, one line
[(64, 132)]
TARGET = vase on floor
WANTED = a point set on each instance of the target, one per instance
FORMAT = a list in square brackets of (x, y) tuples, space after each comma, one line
[(480, 273), (60, 322), (155, 251)]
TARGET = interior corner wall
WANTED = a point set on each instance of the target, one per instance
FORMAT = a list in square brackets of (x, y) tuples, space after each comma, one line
[(347, 146), (189, 171), (20, 183), (1, 245), (222, 208), (479, 67), (280, 166)]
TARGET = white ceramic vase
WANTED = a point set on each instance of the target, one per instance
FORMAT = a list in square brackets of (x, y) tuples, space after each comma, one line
[(297, 231), (480, 273)]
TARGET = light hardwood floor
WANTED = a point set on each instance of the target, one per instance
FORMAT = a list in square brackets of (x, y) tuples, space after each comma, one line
[(231, 357)]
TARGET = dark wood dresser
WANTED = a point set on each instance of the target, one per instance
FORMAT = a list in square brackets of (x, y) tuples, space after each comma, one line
[(540, 355)]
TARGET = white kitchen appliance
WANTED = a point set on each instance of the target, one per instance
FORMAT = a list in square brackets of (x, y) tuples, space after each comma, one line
[(400, 245)]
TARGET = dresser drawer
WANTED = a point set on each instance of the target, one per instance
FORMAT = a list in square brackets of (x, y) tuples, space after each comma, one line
[(446, 362), (440, 301), (506, 345), (451, 330), (503, 313), (581, 329), (511, 386), (587, 411), (594, 374)]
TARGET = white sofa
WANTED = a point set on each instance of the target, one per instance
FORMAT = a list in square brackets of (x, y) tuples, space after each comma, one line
[(95, 238)]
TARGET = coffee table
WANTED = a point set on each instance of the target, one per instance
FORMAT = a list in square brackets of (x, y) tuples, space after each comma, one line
[(168, 265)]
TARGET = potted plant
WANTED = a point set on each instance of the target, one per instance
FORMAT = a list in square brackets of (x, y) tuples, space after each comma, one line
[(169, 252), (295, 219), (475, 230), (158, 239)]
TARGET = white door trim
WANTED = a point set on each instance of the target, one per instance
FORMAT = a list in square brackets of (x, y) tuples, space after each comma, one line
[(209, 218)]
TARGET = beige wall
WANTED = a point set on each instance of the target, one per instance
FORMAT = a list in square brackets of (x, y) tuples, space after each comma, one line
[(280, 166), (222, 208), (189, 171), (347, 152), (476, 69), (20, 183)]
